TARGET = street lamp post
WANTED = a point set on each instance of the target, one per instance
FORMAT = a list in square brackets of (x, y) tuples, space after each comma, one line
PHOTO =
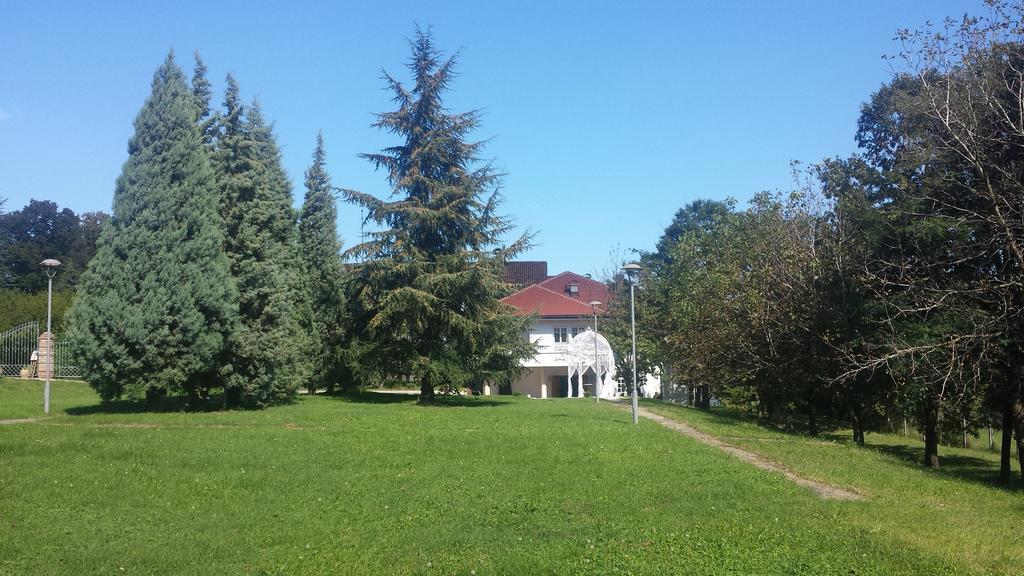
[(50, 265), (597, 363), (632, 271)]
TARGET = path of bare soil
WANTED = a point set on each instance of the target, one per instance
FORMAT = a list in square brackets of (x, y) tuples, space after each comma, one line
[(823, 489), (18, 421)]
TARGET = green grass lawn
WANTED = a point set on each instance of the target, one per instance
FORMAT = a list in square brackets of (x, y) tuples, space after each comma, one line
[(376, 484), (24, 398), (956, 510)]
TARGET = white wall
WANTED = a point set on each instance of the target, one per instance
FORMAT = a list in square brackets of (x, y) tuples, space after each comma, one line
[(542, 333), (529, 384), (553, 356)]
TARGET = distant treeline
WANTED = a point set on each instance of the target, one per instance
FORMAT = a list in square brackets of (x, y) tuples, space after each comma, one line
[(39, 231), (17, 308), (30, 235)]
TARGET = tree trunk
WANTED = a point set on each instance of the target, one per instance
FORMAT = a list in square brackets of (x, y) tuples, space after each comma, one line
[(232, 396), (1018, 409), (426, 391), (931, 436), (153, 396), (194, 399), (812, 418), (856, 420), (858, 428), (1007, 443), (705, 396)]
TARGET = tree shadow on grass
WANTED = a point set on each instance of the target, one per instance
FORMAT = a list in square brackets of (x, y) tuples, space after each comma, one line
[(180, 404), (372, 397), (795, 425), (167, 404), (163, 405), (959, 466)]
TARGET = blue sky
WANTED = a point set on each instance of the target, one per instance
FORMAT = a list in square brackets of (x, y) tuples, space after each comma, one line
[(606, 116)]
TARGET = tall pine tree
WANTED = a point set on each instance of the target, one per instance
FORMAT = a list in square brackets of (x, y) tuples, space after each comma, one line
[(157, 303), (321, 251), (429, 288), (265, 361)]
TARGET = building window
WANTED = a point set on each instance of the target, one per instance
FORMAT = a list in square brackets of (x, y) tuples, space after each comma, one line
[(561, 334), (576, 330)]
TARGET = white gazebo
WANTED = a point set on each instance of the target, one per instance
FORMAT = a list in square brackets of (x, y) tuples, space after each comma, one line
[(588, 350)]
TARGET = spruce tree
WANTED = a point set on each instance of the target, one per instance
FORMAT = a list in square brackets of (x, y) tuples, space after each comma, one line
[(429, 289), (265, 361), (321, 251), (157, 303), (203, 94)]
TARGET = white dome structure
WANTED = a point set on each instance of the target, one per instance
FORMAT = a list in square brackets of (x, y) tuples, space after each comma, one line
[(590, 350)]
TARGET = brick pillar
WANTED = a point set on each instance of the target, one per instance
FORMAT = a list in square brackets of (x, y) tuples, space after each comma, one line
[(44, 356)]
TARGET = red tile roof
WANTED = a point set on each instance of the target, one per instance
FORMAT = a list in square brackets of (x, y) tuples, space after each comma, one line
[(551, 297), (525, 273), (545, 303), (589, 289)]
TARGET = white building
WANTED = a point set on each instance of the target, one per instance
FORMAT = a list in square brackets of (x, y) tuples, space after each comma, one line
[(562, 309)]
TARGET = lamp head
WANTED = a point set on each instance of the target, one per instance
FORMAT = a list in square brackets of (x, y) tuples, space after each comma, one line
[(595, 303), (50, 265), (632, 271)]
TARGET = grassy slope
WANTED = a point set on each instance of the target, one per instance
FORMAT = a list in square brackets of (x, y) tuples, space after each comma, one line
[(957, 511), (24, 398), (378, 485)]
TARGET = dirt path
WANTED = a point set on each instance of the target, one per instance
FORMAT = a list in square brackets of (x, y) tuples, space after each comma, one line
[(822, 489), (19, 421)]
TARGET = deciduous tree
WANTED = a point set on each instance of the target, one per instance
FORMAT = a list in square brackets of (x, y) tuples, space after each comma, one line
[(42, 230)]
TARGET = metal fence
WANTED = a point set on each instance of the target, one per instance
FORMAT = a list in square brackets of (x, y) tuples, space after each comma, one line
[(16, 348), (64, 365), (21, 351)]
